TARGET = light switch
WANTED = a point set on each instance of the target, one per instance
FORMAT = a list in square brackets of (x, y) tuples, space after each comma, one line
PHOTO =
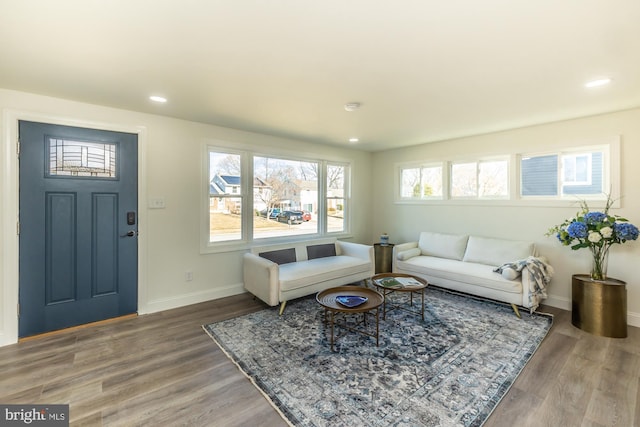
[(156, 203)]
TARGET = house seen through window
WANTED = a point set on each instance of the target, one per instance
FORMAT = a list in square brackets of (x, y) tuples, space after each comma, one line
[(225, 197), (580, 173), (551, 177), (287, 203), (282, 198)]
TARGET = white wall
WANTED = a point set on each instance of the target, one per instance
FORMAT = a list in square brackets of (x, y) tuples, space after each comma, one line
[(404, 222), (171, 168)]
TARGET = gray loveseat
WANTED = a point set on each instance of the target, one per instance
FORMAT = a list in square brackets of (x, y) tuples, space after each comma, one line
[(279, 273)]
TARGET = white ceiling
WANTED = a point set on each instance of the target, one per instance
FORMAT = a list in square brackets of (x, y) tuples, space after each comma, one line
[(424, 70)]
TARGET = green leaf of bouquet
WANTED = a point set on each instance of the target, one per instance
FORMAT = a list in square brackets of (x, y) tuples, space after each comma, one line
[(580, 246)]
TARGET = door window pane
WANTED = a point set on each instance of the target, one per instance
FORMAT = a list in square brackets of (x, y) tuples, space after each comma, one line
[(81, 158)]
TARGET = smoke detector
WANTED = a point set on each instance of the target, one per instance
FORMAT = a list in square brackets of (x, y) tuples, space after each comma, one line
[(352, 106)]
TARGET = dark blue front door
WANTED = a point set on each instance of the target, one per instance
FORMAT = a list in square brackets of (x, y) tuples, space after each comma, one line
[(78, 226)]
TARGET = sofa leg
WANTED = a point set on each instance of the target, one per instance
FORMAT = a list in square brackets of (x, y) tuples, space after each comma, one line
[(282, 305), (515, 309)]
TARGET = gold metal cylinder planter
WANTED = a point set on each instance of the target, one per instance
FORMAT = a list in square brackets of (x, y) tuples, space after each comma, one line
[(599, 307), (383, 256)]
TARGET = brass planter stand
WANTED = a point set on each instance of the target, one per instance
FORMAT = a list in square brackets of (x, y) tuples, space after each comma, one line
[(599, 307)]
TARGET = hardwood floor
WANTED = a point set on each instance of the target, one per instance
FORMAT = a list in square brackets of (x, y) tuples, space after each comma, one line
[(162, 369)]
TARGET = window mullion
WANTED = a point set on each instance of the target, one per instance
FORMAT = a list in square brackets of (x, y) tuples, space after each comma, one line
[(560, 168), (248, 216), (322, 197), (446, 180), (478, 179)]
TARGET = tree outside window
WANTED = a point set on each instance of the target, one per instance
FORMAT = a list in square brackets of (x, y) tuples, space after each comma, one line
[(335, 201), (482, 179), (242, 208), (290, 185), (423, 182)]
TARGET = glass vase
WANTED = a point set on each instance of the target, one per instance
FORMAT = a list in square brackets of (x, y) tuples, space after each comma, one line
[(599, 263)]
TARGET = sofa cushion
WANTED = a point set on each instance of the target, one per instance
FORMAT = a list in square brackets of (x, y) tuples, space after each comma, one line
[(304, 273), (485, 250), (410, 253), (475, 274), (451, 246), (321, 251), (282, 256)]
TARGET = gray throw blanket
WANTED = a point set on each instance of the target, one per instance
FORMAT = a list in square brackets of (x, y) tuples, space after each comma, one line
[(540, 273)]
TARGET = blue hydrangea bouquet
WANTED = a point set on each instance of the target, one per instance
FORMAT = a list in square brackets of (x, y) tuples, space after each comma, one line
[(596, 231)]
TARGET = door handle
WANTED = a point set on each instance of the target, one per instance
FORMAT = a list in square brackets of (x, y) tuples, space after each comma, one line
[(130, 233)]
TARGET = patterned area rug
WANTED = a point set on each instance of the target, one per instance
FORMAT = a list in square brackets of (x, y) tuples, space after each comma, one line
[(451, 369)]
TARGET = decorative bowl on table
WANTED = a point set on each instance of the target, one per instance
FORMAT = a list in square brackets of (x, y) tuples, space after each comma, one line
[(351, 300)]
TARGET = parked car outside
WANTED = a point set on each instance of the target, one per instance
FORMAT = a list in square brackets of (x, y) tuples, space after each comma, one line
[(306, 216), (290, 217), (272, 215)]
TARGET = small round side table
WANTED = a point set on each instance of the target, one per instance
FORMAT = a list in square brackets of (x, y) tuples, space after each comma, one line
[(383, 257)]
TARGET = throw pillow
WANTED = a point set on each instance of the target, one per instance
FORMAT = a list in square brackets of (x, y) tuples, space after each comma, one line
[(282, 256), (485, 250), (321, 251), (443, 245), (510, 273)]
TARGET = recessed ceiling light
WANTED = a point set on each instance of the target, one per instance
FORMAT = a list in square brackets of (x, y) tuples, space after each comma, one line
[(352, 106), (156, 98), (598, 82), (353, 140)]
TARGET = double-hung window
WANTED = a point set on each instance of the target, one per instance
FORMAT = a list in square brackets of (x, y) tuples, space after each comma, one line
[(335, 197)]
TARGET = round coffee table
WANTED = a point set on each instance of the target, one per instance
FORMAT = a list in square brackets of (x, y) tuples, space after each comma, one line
[(388, 289), (327, 299)]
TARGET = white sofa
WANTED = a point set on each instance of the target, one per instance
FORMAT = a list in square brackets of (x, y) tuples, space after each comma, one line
[(467, 264), (279, 273)]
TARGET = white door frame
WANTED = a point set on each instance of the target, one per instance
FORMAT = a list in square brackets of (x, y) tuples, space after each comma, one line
[(9, 210)]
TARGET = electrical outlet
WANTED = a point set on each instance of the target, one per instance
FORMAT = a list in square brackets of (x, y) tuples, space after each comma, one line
[(188, 276), (156, 203)]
